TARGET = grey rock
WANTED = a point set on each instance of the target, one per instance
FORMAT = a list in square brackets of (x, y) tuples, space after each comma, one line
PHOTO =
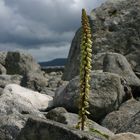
[(14, 112), (35, 81), (106, 95), (8, 79), (117, 63), (118, 119), (12, 102), (10, 126), (57, 114), (36, 99), (54, 80), (1, 90), (48, 91), (133, 59), (2, 57), (49, 130), (2, 69), (54, 83), (133, 125), (115, 28), (61, 115), (73, 62), (97, 61), (126, 136), (20, 63)]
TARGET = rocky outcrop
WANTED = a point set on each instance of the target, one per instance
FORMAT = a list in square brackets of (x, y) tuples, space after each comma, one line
[(73, 58), (106, 95), (49, 130), (115, 28), (20, 63), (116, 52), (117, 63), (33, 77), (118, 119)]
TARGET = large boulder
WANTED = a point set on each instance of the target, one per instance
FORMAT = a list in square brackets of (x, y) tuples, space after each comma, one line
[(40, 129), (116, 120), (117, 63), (73, 61), (38, 100), (24, 64), (115, 28), (97, 61), (20, 63), (61, 115), (11, 125), (106, 95), (16, 106)]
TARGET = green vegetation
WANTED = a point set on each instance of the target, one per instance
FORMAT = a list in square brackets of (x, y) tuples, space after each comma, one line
[(98, 132), (85, 69)]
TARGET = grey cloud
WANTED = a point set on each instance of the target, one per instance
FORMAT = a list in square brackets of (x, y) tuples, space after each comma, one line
[(31, 24)]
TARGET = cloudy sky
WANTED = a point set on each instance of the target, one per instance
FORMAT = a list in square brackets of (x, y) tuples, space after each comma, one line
[(43, 28)]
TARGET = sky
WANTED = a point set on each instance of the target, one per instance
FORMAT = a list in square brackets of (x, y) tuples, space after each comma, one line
[(43, 28)]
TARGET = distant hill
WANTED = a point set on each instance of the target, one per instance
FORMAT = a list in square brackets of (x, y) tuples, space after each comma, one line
[(55, 62)]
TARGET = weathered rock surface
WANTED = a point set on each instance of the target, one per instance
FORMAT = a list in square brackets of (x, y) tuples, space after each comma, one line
[(133, 125), (106, 95), (23, 64), (117, 63), (118, 119), (50, 130), (2, 57), (2, 69), (15, 108), (10, 126), (35, 81), (61, 115), (115, 28), (8, 79), (73, 58), (97, 61), (126, 136), (20, 63), (39, 101), (54, 80)]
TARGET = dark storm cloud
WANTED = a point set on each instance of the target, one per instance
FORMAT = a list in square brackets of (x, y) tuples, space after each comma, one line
[(35, 23)]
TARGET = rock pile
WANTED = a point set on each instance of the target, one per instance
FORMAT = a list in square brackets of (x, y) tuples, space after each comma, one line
[(41, 106)]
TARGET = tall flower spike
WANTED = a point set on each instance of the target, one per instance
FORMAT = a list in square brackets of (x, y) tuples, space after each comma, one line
[(85, 69)]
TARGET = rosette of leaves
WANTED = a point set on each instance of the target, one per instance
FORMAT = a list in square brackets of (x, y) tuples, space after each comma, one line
[(85, 70)]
